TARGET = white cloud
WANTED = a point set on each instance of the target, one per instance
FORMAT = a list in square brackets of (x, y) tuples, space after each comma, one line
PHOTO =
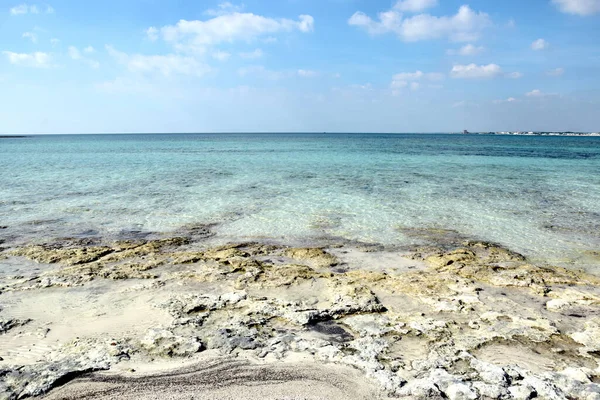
[(152, 33), (307, 23), (75, 54), (258, 53), (261, 72), (515, 75), (31, 36), (415, 5), (20, 9), (538, 93), (578, 7), (29, 9), (408, 76), (167, 65), (418, 75), (406, 79), (125, 85), (467, 50), (306, 73), (224, 8), (366, 86), (473, 71), (34, 60), (221, 55), (556, 72), (54, 42), (196, 36), (540, 44), (509, 100), (465, 25)]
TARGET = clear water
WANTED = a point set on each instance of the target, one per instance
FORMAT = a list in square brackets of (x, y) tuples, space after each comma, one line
[(536, 195)]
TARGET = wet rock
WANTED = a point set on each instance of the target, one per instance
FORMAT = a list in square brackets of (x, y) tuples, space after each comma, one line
[(265, 275), (450, 258), (332, 331), (484, 262), (316, 256), (67, 256)]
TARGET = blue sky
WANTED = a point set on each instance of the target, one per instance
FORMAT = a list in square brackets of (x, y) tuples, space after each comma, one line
[(70, 66)]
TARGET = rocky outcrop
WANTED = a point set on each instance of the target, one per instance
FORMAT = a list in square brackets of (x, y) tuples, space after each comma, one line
[(8, 324), (60, 366), (316, 256), (436, 332)]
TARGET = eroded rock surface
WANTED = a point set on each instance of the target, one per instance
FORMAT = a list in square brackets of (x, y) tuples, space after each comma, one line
[(475, 321)]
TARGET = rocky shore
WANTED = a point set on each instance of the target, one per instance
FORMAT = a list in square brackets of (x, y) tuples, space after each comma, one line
[(84, 318)]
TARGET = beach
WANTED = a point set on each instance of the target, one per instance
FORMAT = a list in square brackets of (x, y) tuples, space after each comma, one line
[(287, 268)]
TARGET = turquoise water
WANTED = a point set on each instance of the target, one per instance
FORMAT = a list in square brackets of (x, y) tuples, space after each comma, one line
[(536, 195)]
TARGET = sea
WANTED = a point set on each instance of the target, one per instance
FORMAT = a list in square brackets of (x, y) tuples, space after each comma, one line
[(539, 196)]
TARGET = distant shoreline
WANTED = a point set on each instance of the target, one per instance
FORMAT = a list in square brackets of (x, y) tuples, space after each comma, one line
[(558, 133), (535, 133)]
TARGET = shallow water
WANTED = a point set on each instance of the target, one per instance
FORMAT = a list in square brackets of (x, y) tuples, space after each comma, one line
[(536, 195)]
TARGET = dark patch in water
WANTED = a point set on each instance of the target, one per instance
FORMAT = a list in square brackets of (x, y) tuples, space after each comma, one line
[(89, 232), (198, 231), (445, 238), (332, 329), (38, 222), (340, 269), (67, 242), (133, 234)]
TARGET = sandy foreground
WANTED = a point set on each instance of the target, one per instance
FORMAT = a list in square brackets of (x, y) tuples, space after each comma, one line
[(186, 317)]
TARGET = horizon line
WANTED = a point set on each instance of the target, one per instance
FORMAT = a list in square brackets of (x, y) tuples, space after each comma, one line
[(286, 132)]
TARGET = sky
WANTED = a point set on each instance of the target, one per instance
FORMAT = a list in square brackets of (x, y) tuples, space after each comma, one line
[(124, 66)]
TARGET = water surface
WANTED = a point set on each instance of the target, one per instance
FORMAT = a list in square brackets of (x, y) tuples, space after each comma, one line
[(536, 195)]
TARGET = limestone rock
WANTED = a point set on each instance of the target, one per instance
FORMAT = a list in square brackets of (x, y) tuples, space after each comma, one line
[(67, 256), (64, 364), (165, 343), (316, 256), (590, 336)]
